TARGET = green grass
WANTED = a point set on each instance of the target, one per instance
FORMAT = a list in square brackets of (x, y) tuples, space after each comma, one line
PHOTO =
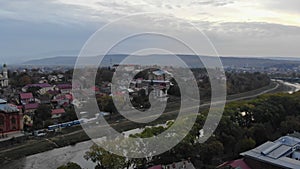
[(30, 148)]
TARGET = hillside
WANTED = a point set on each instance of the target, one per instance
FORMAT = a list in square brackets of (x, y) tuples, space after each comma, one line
[(190, 60)]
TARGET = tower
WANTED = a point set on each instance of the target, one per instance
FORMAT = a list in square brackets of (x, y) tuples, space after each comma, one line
[(5, 74), (4, 81)]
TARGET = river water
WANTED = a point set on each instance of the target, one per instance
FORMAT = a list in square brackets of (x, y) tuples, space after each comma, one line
[(295, 87)]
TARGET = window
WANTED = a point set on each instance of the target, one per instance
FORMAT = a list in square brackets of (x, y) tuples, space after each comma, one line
[(13, 120), (1, 120)]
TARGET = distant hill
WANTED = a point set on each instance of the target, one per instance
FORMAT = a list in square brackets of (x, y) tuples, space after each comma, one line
[(285, 58), (71, 60), (59, 60), (191, 60)]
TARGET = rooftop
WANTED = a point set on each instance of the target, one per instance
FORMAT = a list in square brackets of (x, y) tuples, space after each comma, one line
[(64, 86), (277, 153), (161, 72), (7, 108), (31, 106), (26, 95), (3, 101), (58, 111)]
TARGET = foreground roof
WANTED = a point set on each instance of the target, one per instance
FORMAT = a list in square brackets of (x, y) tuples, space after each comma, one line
[(277, 153)]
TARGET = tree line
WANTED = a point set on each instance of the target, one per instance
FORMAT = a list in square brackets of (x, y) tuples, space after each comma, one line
[(244, 125)]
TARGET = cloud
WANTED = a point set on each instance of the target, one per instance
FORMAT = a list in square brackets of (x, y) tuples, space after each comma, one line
[(289, 6), (212, 2), (254, 29), (254, 38), (261, 27)]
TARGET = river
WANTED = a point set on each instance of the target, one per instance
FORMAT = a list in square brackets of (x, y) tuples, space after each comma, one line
[(295, 86)]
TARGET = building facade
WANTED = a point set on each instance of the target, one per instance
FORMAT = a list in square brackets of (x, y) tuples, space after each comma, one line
[(10, 118)]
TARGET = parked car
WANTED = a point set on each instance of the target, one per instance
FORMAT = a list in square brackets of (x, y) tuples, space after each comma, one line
[(39, 133)]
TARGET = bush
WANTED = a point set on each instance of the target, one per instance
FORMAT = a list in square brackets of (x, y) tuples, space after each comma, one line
[(70, 165)]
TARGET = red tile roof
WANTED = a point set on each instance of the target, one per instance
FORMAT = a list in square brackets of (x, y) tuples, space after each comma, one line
[(58, 111), (64, 86), (69, 96), (26, 95), (31, 106)]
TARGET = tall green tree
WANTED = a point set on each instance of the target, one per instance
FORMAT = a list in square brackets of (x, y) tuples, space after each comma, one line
[(105, 159)]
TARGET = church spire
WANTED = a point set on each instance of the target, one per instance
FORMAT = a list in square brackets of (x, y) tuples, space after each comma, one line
[(4, 82)]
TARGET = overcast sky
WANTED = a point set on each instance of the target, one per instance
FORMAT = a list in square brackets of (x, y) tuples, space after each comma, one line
[(35, 29)]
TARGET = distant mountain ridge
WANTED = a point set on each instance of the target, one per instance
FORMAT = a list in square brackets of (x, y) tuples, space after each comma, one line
[(191, 60), (58, 60)]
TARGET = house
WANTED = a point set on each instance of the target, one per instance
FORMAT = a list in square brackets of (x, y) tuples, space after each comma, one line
[(30, 108), (62, 99), (53, 92), (60, 76), (43, 80), (57, 113), (105, 88), (284, 153), (160, 87), (44, 99), (26, 98), (43, 87), (52, 78), (64, 88), (159, 75), (29, 103), (10, 118)]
